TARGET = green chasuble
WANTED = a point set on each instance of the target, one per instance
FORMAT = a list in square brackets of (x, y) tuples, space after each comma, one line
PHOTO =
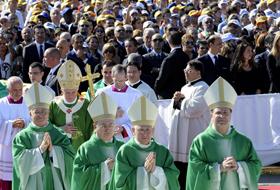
[(207, 152), (47, 171), (3, 89), (130, 160), (89, 170), (62, 113), (99, 84)]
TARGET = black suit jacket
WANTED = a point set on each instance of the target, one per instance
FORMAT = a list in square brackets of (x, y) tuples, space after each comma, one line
[(274, 74), (142, 50), (171, 76), (212, 72), (52, 82), (30, 54), (151, 67), (260, 61)]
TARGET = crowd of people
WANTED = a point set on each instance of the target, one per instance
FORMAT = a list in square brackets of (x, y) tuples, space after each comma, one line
[(56, 110)]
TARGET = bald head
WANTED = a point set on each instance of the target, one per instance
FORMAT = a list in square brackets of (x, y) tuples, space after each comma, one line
[(63, 47)]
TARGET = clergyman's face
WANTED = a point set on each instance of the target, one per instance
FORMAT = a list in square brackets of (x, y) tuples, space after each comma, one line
[(39, 116), (221, 118), (105, 129), (143, 133)]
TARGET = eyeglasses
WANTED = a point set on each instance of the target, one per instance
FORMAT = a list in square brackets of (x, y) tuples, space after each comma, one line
[(157, 40), (99, 31)]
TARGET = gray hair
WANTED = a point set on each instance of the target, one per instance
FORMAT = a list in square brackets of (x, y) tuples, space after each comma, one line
[(13, 80), (117, 69)]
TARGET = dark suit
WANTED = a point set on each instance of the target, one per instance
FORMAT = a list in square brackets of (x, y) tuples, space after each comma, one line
[(151, 67), (213, 71), (171, 76), (121, 51), (142, 50), (52, 82), (260, 61), (274, 74), (30, 54)]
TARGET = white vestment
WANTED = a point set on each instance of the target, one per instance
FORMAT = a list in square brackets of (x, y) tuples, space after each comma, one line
[(8, 113), (147, 91), (192, 118), (124, 100)]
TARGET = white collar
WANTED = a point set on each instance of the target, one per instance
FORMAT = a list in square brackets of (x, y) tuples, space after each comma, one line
[(133, 83), (65, 101), (142, 145)]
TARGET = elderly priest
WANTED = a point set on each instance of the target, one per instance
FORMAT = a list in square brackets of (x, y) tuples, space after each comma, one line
[(96, 157), (220, 157), (142, 163), (69, 111), (43, 155)]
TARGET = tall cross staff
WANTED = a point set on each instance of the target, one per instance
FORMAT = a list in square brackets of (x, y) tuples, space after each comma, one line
[(90, 78)]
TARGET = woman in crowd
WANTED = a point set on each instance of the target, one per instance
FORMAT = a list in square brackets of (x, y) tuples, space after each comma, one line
[(188, 45), (245, 75), (273, 65)]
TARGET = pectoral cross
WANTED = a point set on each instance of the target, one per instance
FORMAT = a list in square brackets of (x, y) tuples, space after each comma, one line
[(90, 78)]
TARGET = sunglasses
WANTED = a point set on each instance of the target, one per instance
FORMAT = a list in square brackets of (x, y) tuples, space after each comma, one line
[(157, 40), (129, 31), (172, 29), (84, 25), (189, 43)]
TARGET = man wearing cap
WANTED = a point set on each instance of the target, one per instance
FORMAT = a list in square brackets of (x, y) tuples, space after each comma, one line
[(13, 117), (220, 157), (133, 69), (124, 96), (43, 155), (93, 171), (142, 163), (69, 111)]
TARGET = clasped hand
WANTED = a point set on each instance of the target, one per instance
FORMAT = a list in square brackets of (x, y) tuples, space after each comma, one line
[(46, 143), (229, 164), (150, 163)]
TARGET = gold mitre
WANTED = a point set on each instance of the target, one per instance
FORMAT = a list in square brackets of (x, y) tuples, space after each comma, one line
[(143, 112), (220, 94), (69, 75), (102, 107), (38, 96)]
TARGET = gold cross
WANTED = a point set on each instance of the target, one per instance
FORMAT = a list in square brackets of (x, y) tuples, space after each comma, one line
[(90, 78)]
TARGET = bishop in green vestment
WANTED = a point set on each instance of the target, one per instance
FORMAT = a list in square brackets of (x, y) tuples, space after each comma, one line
[(69, 111), (142, 163), (43, 155), (95, 158), (220, 158)]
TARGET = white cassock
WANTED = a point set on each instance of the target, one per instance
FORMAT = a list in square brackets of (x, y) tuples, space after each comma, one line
[(124, 100), (8, 113), (192, 118), (147, 91)]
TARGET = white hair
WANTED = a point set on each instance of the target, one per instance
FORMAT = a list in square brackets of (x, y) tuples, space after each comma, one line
[(13, 80)]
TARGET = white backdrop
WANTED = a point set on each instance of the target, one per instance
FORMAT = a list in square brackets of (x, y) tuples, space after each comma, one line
[(256, 116)]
